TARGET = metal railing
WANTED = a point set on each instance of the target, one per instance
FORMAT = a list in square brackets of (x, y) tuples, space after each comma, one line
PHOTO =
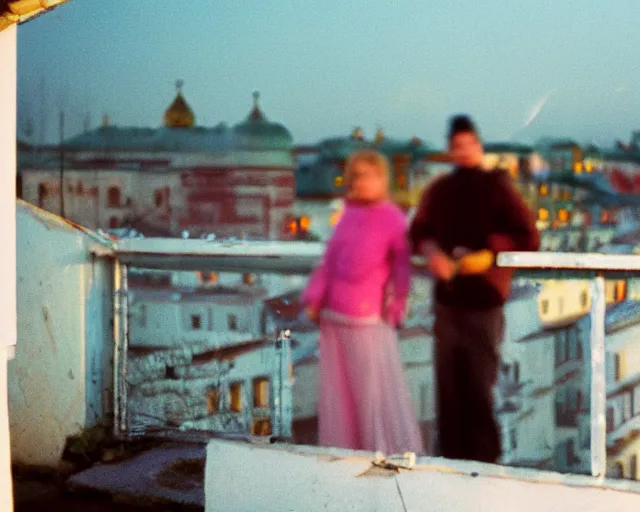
[(300, 258)]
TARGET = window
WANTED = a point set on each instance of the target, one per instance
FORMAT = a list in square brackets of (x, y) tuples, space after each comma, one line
[(232, 322), (113, 197), (79, 188), (262, 427), (42, 194), (213, 400), (544, 306), (158, 198), (584, 299), (618, 471), (248, 278), (543, 214), (633, 467), (544, 189), (516, 371), (113, 222), (196, 322), (143, 315), (560, 305), (611, 419), (617, 367), (513, 437), (563, 215), (621, 291), (338, 181), (235, 390), (261, 392)]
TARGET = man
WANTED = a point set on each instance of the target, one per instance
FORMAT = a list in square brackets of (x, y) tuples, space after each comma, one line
[(464, 219)]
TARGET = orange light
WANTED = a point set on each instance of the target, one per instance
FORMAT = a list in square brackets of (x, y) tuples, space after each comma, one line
[(544, 189), (563, 215), (338, 181), (304, 223), (293, 227), (577, 167), (543, 214), (335, 217)]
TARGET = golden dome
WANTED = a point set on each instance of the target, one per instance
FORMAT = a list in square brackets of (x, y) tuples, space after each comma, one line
[(179, 114)]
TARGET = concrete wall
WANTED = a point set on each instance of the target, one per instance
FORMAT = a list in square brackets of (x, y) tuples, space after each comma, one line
[(310, 479), (8, 58), (60, 381)]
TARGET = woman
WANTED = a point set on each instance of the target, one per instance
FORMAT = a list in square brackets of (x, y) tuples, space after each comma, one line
[(358, 293)]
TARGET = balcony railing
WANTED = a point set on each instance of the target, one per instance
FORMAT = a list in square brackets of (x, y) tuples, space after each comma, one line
[(300, 257)]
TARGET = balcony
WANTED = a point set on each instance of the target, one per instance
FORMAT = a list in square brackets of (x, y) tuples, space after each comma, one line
[(227, 392)]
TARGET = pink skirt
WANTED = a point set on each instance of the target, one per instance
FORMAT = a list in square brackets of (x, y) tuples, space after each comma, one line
[(364, 401)]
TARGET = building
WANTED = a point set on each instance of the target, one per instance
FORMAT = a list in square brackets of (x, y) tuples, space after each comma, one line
[(230, 181), (206, 359)]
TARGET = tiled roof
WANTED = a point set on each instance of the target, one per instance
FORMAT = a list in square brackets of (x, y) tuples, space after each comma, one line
[(622, 315)]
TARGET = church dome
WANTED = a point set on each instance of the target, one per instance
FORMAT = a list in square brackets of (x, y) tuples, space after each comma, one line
[(257, 132), (179, 113)]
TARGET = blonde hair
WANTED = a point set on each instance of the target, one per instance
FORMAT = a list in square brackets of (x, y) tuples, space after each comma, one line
[(371, 157)]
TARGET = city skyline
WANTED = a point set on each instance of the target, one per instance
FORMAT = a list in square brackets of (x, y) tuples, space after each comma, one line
[(323, 70)]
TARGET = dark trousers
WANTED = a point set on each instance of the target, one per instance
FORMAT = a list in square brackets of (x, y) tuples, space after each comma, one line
[(467, 355)]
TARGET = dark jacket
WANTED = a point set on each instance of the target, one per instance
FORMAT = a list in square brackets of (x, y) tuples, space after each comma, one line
[(475, 209)]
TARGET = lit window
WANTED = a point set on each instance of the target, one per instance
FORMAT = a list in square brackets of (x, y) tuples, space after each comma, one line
[(304, 223), (563, 215), (544, 189), (577, 167), (213, 400), (262, 427), (338, 181), (261, 392), (621, 291), (196, 322), (588, 167), (248, 278), (543, 214), (235, 391)]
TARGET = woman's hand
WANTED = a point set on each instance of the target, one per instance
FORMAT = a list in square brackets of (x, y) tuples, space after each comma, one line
[(313, 314)]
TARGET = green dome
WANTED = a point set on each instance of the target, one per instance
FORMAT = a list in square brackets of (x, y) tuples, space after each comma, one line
[(257, 132)]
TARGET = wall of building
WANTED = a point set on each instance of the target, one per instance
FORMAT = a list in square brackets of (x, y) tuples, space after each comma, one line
[(8, 115), (60, 381)]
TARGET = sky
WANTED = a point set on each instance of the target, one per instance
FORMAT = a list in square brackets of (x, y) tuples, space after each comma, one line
[(522, 70)]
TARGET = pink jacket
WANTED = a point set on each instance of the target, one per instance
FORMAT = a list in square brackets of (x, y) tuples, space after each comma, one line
[(366, 268)]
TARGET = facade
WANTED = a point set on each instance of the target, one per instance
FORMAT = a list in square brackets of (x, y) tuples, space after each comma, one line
[(229, 181)]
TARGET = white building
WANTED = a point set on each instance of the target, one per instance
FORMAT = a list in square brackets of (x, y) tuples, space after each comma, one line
[(205, 359), (231, 181)]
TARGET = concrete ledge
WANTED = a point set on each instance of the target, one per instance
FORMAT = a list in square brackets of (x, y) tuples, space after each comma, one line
[(243, 477)]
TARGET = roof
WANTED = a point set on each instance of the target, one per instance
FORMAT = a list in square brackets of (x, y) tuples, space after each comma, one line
[(19, 11), (51, 220), (621, 315), (507, 147)]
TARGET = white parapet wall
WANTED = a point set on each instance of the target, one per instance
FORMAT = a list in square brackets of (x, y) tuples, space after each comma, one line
[(245, 477)]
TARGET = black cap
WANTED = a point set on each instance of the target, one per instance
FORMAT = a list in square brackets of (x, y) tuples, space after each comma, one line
[(461, 124)]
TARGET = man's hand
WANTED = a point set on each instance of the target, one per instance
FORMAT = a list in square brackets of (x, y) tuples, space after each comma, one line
[(477, 262), (441, 266)]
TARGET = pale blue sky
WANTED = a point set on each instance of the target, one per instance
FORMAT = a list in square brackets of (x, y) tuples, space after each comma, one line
[(323, 67)]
